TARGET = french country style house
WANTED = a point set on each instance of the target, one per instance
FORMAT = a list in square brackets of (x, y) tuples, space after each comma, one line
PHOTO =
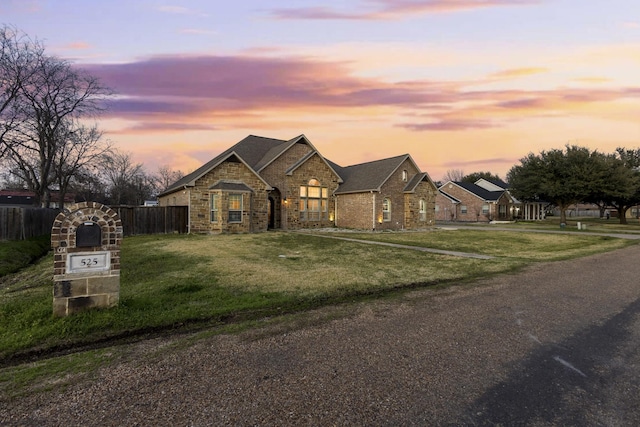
[(264, 183)]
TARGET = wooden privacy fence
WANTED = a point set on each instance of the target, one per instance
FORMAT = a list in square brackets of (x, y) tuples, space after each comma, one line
[(23, 223), (152, 220)]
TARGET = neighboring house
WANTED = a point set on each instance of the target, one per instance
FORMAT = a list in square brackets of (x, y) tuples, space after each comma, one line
[(385, 194), (528, 211), (446, 207), (471, 202), (26, 198), (264, 183)]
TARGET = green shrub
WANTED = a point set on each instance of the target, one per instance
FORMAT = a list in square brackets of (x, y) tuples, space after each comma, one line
[(17, 254)]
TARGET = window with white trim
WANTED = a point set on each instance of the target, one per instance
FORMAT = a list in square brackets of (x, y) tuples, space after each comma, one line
[(423, 210), (214, 207), (405, 176), (463, 209), (314, 201), (485, 209), (235, 207), (386, 209)]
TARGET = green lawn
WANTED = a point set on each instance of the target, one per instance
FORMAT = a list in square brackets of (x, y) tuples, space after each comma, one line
[(185, 281), (15, 255)]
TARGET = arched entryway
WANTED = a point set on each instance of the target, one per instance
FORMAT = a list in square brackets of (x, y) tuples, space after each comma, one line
[(274, 211)]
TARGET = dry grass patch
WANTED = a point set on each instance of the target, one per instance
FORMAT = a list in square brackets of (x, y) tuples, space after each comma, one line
[(308, 265)]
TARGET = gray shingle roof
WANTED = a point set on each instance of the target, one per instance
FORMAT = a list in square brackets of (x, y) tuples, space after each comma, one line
[(413, 183), (490, 196), (449, 196), (258, 152), (368, 176), (231, 186), (252, 149)]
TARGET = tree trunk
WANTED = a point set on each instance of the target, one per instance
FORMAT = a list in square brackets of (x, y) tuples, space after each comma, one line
[(622, 214), (563, 215)]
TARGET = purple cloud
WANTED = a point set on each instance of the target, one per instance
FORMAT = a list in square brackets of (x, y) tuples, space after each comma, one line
[(392, 9), (189, 89), (444, 124)]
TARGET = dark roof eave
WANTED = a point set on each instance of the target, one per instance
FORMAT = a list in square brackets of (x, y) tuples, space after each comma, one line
[(370, 190)]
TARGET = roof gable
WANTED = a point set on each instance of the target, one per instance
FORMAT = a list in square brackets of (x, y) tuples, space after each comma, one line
[(276, 152), (370, 176), (190, 180), (476, 190), (417, 179), (492, 185), (448, 196)]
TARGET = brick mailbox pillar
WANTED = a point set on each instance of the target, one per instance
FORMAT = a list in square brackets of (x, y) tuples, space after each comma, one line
[(86, 240)]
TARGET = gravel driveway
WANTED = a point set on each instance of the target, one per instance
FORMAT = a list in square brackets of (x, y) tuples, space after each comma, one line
[(557, 344)]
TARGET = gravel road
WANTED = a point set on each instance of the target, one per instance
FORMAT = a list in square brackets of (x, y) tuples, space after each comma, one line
[(557, 344)]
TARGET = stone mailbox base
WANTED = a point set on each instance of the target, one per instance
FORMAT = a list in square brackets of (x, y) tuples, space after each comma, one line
[(86, 239)]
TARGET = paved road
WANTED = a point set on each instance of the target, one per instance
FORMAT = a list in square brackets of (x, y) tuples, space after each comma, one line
[(558, 344)]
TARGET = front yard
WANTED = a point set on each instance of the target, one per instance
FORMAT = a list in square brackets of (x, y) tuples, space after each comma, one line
[(191, 281)]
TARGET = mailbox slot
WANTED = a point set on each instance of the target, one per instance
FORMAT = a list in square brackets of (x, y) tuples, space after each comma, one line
[(88, 235)]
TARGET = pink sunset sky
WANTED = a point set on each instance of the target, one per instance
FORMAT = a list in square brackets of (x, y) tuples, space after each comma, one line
[(458, 84)]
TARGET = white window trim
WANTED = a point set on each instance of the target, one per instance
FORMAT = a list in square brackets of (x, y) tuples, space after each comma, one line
[(323, 202), (241, 210), (214, 207), (386, 214)]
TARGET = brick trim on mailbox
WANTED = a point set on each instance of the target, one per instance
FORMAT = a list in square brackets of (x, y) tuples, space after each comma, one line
[(75, 291)]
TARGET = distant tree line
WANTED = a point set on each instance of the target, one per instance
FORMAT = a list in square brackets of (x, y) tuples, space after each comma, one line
[(574, 174), (564, 177), (49, 140)]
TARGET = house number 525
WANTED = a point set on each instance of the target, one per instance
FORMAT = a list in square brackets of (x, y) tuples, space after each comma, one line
[(89, 262)]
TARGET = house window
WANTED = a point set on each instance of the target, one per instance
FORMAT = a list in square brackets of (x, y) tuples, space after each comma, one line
[(463, 209), (437, 208), (214, 208), (485, 209), (405, 175), (314, 201), (423, 210), (386, 210), (235, 207), (502, 210)]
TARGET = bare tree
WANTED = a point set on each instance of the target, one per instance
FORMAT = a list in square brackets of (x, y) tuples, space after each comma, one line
[(79, 155), (127, 182), (18, 53), (453, 175), (165, 176), (51, 97)]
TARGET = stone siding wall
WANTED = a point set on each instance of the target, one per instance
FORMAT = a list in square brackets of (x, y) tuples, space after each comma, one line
[(393, 189), (177, 198), (413, 220), (254, 216), (289, 186), (74, 291)]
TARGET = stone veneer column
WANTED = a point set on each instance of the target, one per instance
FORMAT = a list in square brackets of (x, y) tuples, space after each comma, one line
[(79, 289)]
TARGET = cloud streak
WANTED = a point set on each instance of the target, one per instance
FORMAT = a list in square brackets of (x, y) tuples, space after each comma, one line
[(392, 9), (187, 90)]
